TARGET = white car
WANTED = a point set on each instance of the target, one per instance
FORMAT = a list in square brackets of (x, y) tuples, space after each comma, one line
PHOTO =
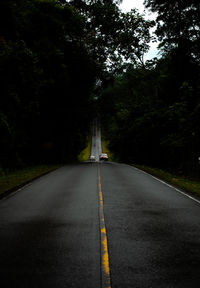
[(92, 158)]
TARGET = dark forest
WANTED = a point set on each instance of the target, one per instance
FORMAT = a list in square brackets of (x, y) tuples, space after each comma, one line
[(64, 62)]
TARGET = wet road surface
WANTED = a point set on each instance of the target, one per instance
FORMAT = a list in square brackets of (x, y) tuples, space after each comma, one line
[(153, 231), (99, 225), (50, 233)]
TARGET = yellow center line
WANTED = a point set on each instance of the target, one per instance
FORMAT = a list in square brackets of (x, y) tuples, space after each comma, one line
[(105, 266)]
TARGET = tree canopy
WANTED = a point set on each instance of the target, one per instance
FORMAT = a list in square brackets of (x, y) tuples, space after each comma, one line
[(152, 114), (52, 54), (58, 57)]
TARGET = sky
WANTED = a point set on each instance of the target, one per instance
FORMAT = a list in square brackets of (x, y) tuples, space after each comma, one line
[(126, 6)]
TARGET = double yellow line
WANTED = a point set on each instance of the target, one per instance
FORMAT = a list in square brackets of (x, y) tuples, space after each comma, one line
[(105, 266)]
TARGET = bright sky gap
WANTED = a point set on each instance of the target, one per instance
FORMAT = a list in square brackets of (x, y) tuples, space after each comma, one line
[(126, 6)]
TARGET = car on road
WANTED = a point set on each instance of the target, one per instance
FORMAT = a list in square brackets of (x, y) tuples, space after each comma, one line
[(103, 156), (92, 158)]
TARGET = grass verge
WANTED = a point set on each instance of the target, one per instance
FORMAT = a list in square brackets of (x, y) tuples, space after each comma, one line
[(105, 149), (15, 179), (181, 182), (85, 154)]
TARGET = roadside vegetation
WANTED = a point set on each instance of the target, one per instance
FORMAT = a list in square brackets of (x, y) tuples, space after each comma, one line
[(105, 149), (11, 180), (85, 153), (151, 112)]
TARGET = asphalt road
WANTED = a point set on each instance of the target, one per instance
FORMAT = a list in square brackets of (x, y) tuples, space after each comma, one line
[(153, 231), (96, 147), (51, 233)]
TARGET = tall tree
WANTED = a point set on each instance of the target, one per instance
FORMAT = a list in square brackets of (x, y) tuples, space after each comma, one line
[(113, 36), (178, 24), (51, 56)]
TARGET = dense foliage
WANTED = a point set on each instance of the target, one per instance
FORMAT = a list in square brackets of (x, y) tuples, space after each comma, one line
[(44, 113), (52, 54), (152, 112), (56, 55)]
